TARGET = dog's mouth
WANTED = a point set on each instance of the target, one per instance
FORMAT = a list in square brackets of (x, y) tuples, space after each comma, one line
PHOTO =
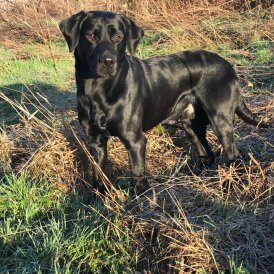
[(106, 70)]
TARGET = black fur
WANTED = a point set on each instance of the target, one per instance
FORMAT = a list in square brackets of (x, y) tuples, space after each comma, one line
[(121, 95)]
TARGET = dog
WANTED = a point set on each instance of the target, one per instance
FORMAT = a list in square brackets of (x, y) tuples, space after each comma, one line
[(121, 95)]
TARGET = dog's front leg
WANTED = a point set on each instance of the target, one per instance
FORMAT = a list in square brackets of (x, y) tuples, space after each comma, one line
[(97, 141), (136, 148), (98, 148)]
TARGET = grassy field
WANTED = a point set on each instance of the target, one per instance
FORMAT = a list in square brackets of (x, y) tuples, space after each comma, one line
[(53, 221)]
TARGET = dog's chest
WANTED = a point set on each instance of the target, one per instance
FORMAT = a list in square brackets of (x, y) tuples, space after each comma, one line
[(98, 112), (105, 112), (102, 115)]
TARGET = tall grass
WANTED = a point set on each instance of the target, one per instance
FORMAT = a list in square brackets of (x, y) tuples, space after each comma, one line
[(186, 24)]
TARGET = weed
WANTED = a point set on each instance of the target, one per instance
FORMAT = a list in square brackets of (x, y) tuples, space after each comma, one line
[(239, 269), (262, 52)]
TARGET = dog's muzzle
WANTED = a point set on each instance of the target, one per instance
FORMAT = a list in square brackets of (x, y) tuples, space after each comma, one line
[(106, 65), (107, 60)]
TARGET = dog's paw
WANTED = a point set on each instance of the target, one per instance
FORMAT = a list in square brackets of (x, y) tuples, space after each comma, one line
[(142, 187), (204, 162), (238, 162)]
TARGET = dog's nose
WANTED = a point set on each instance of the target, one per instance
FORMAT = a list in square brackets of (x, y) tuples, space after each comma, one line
[(107, 59)]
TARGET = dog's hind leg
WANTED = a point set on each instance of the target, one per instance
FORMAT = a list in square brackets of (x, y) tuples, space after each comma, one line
[(199, 125), (220, 107), (194, 138), (194, 125), (223, 128)]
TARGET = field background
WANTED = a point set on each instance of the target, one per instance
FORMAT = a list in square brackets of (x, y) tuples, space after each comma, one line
[(51, 220)]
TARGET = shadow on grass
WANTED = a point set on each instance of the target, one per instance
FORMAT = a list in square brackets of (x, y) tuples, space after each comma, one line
[(49, 96)]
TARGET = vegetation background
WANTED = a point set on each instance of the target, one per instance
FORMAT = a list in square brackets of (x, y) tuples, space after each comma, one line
[(52, 221)]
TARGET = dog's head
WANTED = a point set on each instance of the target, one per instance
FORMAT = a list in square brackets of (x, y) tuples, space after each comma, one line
[(101, 39)]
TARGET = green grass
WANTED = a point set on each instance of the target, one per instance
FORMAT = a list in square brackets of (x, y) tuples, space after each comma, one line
[(149, 45), (45, 231), (239, 269), (239, 33), (51, 77), (37, 69), (258, 53), (262, 52)]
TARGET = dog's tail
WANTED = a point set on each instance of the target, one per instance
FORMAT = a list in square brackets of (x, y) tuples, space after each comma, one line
[(246, 115)]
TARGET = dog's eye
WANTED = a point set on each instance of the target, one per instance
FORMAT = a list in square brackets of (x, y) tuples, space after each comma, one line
[(90, 37), (117, 38)]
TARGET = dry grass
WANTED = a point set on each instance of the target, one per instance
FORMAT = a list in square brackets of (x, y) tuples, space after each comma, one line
[(6, 148), (185, 17), (185, 24), (158, 144), (36, 146), (190, 222), (171, 245), (55, 162)]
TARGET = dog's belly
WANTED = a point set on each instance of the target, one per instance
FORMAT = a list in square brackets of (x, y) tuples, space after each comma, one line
[(155, 118), (180, 106)]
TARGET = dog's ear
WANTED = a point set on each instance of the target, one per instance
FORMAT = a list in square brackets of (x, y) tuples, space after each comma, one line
[(134, 34), (70, 28)]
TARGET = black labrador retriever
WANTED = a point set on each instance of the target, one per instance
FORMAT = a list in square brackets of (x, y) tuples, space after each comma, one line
[(121, 95)]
